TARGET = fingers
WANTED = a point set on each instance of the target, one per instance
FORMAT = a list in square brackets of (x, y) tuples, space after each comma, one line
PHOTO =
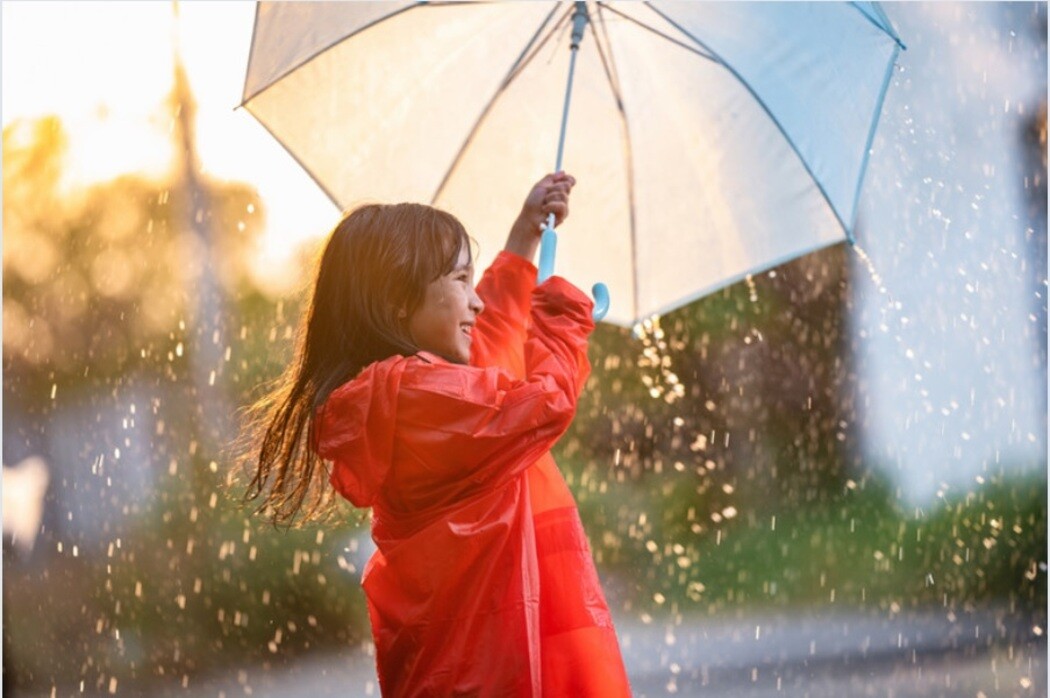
[(561, 178), (559, 189), (549, 195), (556, 193), (556, 197), (559, 207), (556, 201)]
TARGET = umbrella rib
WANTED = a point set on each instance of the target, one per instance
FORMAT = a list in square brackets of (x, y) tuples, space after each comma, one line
[(255, 27), (769, 113), (532, 47), (654, 30), (882, 15), (273, 81), (522, 62), (609, 66), (331, 196)]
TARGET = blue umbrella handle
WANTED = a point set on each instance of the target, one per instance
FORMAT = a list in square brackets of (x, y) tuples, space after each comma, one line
[(548, 248), (601, 300)]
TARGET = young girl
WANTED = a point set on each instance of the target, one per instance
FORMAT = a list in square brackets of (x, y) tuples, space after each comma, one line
[(436, 405)]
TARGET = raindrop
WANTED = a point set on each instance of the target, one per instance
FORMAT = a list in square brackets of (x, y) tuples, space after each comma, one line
[(752, 290)]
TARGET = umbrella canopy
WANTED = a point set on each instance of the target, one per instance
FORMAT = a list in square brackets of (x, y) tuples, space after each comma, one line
[(710, 140)]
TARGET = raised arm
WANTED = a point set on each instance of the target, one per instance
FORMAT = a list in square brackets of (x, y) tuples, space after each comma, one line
[(549, 195), (472, 427), (499, 334)]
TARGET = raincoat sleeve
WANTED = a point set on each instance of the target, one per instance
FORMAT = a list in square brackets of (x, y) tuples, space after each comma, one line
[(485, 425), (500, 332)]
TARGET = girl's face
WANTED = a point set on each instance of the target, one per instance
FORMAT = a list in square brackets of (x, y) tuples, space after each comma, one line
[(443, 322)]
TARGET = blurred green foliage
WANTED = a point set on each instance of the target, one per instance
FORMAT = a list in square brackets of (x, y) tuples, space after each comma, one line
[(857, 548), (96, 302), (94, 277)]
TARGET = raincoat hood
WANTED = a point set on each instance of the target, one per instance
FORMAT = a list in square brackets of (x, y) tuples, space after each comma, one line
[(355, 427)]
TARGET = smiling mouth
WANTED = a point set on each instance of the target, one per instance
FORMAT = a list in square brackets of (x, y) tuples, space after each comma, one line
[(467, 328)]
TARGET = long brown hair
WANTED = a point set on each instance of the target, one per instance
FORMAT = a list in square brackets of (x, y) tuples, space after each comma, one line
[(378, 261)]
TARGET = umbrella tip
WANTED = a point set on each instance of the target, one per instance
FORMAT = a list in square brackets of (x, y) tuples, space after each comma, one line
[(579, 23)]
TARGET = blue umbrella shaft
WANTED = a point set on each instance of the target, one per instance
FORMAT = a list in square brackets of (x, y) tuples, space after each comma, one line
[(549, 240)]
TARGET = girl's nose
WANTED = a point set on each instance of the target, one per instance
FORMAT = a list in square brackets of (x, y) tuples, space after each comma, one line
[(476, 304)]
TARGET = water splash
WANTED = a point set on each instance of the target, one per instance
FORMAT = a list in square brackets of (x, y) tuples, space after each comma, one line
[(892, 310), (655, 362), (752, 290), (870, 266)]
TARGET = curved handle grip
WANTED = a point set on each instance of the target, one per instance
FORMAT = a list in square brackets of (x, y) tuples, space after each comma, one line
[(601, 300), (548, 248)]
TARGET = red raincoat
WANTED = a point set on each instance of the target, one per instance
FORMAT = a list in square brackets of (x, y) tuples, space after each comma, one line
[(483, 583)]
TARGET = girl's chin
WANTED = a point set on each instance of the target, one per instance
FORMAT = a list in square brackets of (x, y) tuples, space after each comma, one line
[(455, 356), (454, 350)]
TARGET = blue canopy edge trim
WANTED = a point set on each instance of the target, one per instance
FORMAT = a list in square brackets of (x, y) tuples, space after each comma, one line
[(729, 281), (251, 56), (769, 113), (871, 138)]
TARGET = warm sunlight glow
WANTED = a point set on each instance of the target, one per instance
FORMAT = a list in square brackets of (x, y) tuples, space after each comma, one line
[(108, 93), (109, 84)]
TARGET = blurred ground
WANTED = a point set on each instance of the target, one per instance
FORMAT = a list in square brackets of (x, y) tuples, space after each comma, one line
[(985, 653)]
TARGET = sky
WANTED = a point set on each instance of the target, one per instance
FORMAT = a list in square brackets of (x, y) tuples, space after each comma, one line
[(945, 352)]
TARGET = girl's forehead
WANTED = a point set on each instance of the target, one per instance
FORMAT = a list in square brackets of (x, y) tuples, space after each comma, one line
[(464, 260)]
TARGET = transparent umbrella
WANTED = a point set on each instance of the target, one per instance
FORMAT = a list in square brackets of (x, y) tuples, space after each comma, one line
[(710, 140)]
